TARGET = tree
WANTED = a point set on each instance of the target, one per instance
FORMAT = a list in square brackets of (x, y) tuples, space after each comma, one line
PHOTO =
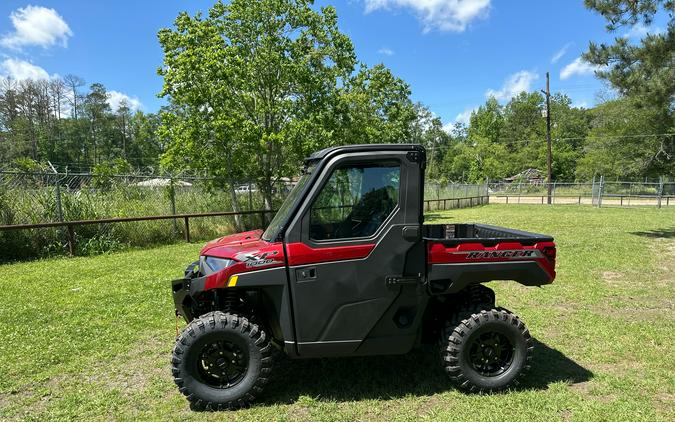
[(644, 71), (145, 146), (123, 115), (254, 86), (73, 83), (427, 129), (373, 106), (627, 141), (97, 110), (253, 75)]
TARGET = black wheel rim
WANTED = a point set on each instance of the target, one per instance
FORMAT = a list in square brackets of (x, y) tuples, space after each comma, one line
[(491, 353), (222, 364)]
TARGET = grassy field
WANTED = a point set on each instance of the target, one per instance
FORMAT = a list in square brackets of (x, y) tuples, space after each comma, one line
[(90, 337)]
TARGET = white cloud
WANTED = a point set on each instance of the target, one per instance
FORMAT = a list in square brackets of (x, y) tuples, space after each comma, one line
[(36, 25), (386, 51), (558, 55), (116, 97), (20, 70), (639, 31), (444, 15), (514, 85), (578, 67), (463, 117)]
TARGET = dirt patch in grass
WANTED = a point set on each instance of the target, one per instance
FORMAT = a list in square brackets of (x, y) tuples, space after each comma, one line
[(133, 371), (612, 277), (665, 402), (620, 369)]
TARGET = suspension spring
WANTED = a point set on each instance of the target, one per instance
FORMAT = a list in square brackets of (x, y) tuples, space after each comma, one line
[(230, 300)]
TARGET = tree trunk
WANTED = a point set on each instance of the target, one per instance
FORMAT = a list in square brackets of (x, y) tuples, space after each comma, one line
[(266, 188), (235, 204)]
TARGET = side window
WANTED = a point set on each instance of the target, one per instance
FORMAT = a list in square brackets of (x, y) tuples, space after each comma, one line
[(355, 201)]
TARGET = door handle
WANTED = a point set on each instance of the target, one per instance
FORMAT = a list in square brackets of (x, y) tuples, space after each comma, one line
[(308, 273), (411, 233)]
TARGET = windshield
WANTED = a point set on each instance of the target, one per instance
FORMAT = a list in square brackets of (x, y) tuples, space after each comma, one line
[(282, 216)]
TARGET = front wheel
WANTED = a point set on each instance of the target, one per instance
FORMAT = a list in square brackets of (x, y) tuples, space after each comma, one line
[(488, 351), (221, 361)]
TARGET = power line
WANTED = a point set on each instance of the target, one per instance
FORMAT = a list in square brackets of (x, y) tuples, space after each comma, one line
[(577, 138)]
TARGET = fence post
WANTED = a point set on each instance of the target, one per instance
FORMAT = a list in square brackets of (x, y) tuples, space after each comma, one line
[(660, 192), (71, 239), (59, 210), (600, 189), (172, 199), (187, 229), (553, 194)]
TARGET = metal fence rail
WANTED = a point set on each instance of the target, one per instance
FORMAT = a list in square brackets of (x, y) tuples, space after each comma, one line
[(72, 225)]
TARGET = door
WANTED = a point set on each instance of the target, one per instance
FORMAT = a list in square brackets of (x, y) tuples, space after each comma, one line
[(349, 239)]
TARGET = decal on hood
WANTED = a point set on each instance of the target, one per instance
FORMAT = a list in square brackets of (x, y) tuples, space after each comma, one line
[(257, 259)]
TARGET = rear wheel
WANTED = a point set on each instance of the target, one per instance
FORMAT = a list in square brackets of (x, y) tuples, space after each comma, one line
[(488, 351), (221, 361)]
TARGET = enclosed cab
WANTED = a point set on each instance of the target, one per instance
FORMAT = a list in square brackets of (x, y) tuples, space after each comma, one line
[(347, 268)]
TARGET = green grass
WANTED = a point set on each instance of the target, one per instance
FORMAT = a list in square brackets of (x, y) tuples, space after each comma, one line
[(90, 337)]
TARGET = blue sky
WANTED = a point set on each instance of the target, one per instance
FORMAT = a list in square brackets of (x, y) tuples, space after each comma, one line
[(453, 53)]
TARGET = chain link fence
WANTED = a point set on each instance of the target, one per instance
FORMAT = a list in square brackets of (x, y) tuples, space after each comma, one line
[(597, 193), (444, 196), (46, 198), (38, 198)]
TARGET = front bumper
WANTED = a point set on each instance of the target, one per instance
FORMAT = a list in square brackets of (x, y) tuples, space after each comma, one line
[(185, 290)]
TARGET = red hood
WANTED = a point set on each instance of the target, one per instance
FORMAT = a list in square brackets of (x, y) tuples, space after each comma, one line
[(250, 252), (234, 244)]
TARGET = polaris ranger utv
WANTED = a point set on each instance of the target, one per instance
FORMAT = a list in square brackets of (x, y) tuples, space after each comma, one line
[(347, 268)]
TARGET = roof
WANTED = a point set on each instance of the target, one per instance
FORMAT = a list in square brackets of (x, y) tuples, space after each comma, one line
[(529, 174), (161, 182), (364, 147)]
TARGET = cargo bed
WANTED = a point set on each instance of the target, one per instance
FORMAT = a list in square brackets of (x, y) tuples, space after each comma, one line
[(463, 254), (453, 234)]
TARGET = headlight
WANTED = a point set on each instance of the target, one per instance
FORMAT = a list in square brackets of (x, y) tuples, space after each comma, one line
[(209, 264)]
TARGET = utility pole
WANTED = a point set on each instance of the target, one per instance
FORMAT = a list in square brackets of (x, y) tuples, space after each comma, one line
[(548, 135)]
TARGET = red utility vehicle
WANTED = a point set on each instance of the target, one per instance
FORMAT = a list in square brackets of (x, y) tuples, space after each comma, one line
[(347, 268)]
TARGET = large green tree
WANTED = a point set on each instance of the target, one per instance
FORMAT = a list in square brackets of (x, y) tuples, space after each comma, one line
[(625, 142), (254, 86), (645, 70), (632, 136), (251, 83)]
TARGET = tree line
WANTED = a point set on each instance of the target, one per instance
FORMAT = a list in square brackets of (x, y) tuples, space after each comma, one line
[(55, 121)]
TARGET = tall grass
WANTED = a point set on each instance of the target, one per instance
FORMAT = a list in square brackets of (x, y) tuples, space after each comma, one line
[(20, 205)]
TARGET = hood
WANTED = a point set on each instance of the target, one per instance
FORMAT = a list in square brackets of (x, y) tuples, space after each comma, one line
[(235, 244)]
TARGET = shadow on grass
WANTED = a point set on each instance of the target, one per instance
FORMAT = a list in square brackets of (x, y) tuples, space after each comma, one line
[(664, 233), (388, 377)]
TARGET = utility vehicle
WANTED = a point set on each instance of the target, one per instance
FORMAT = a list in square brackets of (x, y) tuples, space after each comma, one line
[(347, 268)]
